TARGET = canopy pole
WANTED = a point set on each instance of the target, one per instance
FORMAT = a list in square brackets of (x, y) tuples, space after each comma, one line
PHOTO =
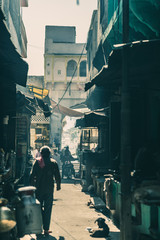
[(125, 219)]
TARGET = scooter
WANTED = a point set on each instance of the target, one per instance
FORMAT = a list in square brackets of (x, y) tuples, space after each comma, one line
[(67, 170)]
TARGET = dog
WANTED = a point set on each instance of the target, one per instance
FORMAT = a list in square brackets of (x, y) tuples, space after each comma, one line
[(101, 233)]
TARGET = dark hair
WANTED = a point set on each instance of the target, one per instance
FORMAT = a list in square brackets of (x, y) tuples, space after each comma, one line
[(45, 151)]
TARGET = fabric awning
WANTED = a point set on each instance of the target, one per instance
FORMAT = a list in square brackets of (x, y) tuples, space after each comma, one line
[(44, 106), (12, 66), (142, 25), (40, 96), (28, 101), (144, 64), (25, 103), (65, 110), (92, 119)]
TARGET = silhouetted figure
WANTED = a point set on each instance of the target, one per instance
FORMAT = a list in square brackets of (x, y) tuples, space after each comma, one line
[(44, 171), (101, 233)]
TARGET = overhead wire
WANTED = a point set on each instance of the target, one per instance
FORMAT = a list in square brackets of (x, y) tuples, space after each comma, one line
[(34, 46), (36, 105), (57, 105)]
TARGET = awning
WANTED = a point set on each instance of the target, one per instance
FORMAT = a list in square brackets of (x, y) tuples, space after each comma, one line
[(98, 97), (92, 119), (41, 99), (25, 103), (144, 64), (12, 67), (142, 25), (28, 101), (48, 105), (38, 92), (42, 140), (99, 77), (64, 110), (44, 106)]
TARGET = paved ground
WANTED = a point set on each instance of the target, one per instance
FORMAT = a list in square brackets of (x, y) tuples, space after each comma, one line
[(71, 216)]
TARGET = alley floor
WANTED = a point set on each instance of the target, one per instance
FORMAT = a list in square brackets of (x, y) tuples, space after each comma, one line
[(72, 217)]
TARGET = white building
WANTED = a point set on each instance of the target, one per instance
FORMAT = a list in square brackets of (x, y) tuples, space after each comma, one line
[(65, 72)]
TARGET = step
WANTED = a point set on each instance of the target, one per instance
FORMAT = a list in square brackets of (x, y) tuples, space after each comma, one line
[(98, 203)]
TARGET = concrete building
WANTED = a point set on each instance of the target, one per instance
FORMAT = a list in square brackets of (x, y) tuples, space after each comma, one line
[(37, 81), (14, 123), (13, 17), (65, 72), (114, 90), (40, 124), (92, 44)]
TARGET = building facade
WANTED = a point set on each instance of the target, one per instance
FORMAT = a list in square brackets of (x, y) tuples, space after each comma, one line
[(127, 60), (65, 72), (13, 15), (13, 70)]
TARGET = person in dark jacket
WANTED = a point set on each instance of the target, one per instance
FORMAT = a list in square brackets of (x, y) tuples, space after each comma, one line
[(44, 171)]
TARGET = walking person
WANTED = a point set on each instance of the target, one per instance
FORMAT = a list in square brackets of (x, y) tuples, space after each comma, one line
[(66, 158), (56, 156), (44, 171), (38, 154)]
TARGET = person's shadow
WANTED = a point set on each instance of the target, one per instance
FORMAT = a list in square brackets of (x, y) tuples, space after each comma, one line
[(49, 237)]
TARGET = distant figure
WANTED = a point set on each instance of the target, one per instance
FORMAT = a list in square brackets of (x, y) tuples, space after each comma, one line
[(66, 158), (66, 155), (38, 154), (44, 171), (56, 156), (68, 169)]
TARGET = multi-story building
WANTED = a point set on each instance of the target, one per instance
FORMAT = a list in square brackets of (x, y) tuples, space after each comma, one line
[(65, 72), (14, 125), (13, 18), (92, 44), (127, 60)]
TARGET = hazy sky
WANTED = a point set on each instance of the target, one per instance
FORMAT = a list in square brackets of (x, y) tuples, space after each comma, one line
[(40, 13)]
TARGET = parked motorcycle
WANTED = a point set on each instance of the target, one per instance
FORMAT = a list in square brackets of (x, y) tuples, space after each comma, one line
[(68, 170)]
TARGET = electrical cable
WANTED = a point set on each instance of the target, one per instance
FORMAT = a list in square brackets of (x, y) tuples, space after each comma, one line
[(34, 46), (70, 80)]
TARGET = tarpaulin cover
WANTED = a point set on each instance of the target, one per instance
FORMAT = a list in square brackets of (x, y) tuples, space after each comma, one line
[(12, 66), (92, 119), (65, 110), (143, 64)]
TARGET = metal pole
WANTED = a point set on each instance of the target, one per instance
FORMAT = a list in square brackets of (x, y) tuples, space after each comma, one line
[(125, 220)]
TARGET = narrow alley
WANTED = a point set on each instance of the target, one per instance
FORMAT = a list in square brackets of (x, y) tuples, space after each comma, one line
[(72, 217), (80, 105)]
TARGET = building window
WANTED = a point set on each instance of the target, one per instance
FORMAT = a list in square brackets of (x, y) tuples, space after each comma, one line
[(71, 68), (83, 69), (59, 72)]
